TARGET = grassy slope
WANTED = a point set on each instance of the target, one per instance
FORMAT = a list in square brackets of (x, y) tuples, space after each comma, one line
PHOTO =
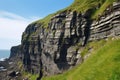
[(103, 64)]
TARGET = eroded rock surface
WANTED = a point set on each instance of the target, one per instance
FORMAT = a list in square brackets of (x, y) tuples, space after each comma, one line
[(54, 49)]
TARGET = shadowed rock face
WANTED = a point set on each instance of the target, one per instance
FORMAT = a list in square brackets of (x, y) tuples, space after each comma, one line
[(52, 50)]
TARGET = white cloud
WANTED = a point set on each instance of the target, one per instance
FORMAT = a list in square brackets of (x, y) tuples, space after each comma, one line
[(9, 15), (12, 26)]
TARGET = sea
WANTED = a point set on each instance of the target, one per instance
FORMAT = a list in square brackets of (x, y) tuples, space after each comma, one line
[(4, 54)]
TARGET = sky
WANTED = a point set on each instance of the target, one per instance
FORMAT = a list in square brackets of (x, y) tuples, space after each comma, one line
[(15, 15)]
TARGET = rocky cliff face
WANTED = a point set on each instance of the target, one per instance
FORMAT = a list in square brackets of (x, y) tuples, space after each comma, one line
[(15, 52), (57, 48)]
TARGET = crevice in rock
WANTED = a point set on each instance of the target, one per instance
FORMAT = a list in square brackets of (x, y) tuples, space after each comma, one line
[(41, 64), (88, 23), (87, 31), (26, 59), (62, 62)]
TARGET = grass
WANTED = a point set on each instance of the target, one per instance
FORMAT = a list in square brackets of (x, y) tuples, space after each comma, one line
[(103, 64), (102, 8), (82, 6), (93, 46), (46, 20), (29, 75)]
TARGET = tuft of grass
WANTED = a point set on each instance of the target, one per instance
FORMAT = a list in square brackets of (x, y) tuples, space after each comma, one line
[(103, 64)]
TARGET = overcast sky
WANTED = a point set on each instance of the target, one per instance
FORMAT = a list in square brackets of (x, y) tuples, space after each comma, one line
[(15, 15)]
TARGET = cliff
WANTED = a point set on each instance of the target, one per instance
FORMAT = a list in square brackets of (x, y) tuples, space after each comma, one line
[(56, 47)]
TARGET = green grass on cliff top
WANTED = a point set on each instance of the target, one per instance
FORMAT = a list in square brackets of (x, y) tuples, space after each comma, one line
[(81, 6), (103, 64)]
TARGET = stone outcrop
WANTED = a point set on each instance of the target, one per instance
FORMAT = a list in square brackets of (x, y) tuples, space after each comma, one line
[(15, 52), (108, 25), (54, 49)]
